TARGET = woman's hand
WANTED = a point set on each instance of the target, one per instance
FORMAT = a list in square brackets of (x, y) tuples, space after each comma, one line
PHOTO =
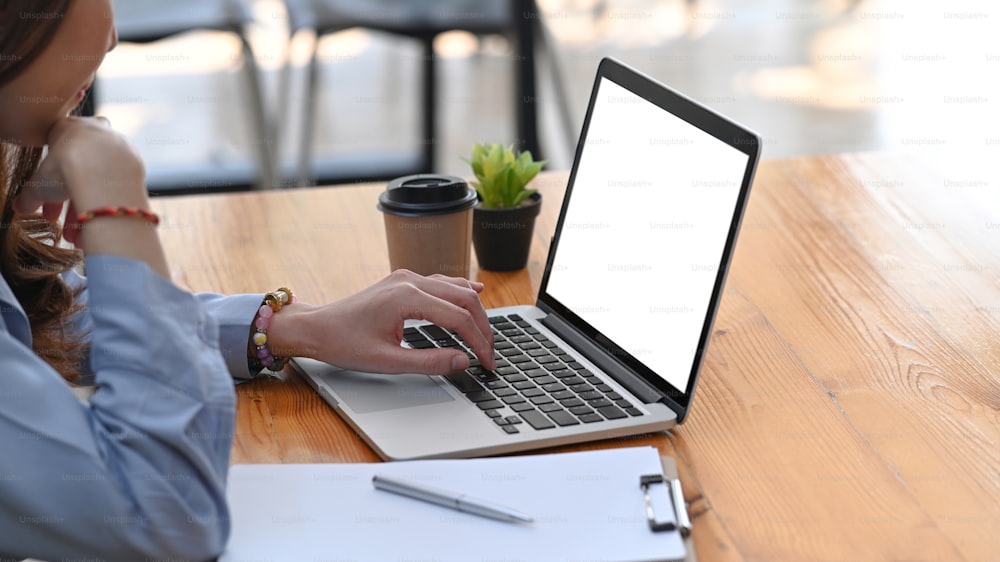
[(88, 164), (92, 166), (363, 331)]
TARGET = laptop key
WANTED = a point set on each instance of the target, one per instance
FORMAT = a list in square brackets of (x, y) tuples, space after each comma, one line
[(543, 399), (464, 382), (633, 412), (514, 317), (508, 370), (555, 366), (537, 419), (492, 413), (599, 403), (514, 419), (545, 380), (513, 399), (421, 344), (507, 391), (492, 405), (550, 407), (436, 332), (528, 366), (594, 395), (510, 429), (533, 392), (563, 418), (614, 396), (581, 410), (575, 365), (546, 359), (501, 421), (524, 385), (591, 418), (612, 412), (412, 334), (479, 396), (533, 373), (572, 403), (487, 377), (553, 387), (563, 395), (516, 377), (521, 407), (496, 385), (497, 319)]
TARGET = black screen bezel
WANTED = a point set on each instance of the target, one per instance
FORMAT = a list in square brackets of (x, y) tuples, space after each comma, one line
[(720, 127)]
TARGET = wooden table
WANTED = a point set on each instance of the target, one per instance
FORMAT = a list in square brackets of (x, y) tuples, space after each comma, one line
[(849, 407)]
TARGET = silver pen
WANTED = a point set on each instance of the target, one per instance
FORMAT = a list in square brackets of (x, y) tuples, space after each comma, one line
[(461, 502)]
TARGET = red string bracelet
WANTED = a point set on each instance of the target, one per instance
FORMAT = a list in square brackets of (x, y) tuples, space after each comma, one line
[(120, 211)]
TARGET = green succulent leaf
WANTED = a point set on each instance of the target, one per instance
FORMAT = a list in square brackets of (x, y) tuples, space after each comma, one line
[(502, 174)]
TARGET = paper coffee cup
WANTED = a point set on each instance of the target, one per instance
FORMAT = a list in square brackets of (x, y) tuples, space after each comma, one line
[(428, 224)]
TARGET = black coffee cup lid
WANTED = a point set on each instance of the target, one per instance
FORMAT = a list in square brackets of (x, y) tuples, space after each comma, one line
[(426, 194)]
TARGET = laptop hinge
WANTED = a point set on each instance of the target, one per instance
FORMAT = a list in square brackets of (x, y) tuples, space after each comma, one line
[(607, 362)]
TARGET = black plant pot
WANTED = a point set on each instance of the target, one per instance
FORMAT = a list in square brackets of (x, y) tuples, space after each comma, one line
[(502, 237)]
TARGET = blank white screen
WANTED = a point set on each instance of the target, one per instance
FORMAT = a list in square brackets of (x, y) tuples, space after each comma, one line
[(645, 230)]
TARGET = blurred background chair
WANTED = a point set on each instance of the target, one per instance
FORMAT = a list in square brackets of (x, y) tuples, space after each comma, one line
[(147, 21), (423, 21)]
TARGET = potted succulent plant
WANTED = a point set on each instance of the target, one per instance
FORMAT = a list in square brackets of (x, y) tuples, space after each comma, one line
[(503, 220)]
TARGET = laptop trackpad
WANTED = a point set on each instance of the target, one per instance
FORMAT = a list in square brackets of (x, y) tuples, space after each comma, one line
[(365, 392)]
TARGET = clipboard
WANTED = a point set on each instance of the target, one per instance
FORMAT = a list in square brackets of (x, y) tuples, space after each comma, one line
[(670, 473), (585, 505)]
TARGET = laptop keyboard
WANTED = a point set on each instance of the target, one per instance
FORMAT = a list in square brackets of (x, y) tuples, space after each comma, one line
[(536, 383)]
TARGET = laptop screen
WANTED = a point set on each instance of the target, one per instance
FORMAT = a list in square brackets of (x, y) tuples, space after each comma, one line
[(637, 257)]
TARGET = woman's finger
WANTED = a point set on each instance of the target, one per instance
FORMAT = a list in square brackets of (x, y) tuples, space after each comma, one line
[(438, 308)]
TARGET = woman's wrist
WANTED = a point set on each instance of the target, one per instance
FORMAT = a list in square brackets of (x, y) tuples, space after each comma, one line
[(291, 332)]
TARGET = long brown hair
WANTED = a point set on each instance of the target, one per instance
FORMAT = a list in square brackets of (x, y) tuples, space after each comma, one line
[(31, 260)]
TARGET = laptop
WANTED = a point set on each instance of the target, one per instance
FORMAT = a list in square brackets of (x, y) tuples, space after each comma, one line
[(614, 343)]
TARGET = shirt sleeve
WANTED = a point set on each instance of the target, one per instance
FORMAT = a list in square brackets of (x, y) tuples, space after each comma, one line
[(233, 313), (139, 472)]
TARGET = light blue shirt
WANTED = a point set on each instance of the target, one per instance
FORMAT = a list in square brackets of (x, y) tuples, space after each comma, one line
[(139, 472)]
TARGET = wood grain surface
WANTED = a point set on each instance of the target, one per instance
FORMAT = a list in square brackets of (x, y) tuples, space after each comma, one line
[(849, 407)]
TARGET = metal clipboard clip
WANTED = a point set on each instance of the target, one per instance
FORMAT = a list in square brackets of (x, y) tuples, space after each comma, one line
[(677, 496)]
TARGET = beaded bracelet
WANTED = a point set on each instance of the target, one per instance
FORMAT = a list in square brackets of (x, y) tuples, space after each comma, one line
[(272, 304), (120, 211)]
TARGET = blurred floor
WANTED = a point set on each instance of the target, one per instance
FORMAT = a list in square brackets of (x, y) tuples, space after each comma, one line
[(812, 77)]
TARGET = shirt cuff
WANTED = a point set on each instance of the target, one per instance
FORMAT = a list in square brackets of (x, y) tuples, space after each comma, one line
[(234, 316)]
